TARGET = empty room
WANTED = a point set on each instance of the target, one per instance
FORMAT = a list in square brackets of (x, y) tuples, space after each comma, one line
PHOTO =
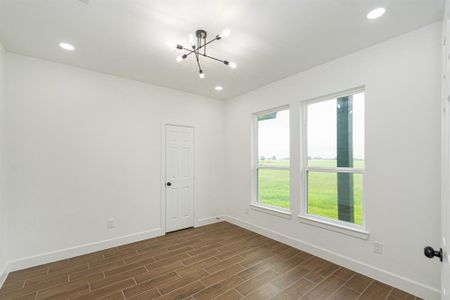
[(224, 149)]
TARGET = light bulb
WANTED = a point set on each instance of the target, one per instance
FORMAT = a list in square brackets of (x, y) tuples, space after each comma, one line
[(179, 59), (170, 44), (218, 88), (191, 39), (225, 33), (376, 13), (67, 46), (201, 75), (232, 65)]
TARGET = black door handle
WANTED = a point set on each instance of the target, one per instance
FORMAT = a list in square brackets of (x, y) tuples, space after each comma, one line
[(430, 252), (169, 183)]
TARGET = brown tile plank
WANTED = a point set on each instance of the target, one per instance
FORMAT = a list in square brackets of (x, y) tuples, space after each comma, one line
[(184, 292), (223, 274), (182, 281), (295, 291), (230, 295), (359, 283), (255, 282), (218, 288), (376, 290), (107, 290), (150, 284)]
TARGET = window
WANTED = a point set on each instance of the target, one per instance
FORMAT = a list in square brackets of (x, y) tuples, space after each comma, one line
[(334, 161), (272, 158)]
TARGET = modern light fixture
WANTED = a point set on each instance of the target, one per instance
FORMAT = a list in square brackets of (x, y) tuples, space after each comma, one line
[(218, 88), (198, 49), (67, 46), (376, 13)]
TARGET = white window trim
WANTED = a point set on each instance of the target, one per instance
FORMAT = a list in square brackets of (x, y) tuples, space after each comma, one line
[(271, 210), (355, 230), (255, 204), (334, 225)]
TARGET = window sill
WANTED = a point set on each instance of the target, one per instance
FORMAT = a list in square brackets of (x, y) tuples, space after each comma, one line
[(349, 231), (271, 210)]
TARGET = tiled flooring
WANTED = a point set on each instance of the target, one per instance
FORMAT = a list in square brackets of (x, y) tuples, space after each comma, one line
[(219, 261)]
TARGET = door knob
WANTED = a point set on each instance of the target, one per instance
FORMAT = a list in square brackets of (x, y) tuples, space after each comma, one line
[(430, 252), (169, 183)]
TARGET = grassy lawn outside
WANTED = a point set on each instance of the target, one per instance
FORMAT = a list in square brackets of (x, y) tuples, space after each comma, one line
[(322, 188)]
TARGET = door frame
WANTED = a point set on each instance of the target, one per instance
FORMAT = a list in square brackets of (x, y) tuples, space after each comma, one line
[(181, 123), (445, 149)]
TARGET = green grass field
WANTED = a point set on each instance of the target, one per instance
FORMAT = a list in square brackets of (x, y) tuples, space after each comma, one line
[(322, 188)]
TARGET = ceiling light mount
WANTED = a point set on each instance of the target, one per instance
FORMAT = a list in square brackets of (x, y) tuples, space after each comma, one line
[(201, 34), (198, 49)]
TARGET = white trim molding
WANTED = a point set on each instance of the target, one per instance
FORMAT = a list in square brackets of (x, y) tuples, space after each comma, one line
[(208, 221), (3, 274), (271, 210), (403, 283), (43, 258), (52, 256), (334, 226)]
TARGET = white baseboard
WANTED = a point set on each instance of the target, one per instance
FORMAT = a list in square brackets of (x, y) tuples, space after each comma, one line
[(35, 260), (207, 221), (43, 258), (3, 274), (406, 284)]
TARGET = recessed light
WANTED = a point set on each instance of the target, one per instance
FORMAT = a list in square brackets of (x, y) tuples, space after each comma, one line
[(376, 13), (67, 46), (218, 88)]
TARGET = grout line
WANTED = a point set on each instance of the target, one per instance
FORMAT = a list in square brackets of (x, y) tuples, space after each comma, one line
[(390, 292), (343, 285), (238, 292), (367, 287), (316, 284)]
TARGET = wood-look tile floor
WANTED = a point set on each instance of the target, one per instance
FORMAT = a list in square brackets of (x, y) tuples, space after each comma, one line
[(219, 261)]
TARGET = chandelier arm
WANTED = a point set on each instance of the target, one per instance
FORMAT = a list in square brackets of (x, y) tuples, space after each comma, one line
[(198, 63), (216, 59)]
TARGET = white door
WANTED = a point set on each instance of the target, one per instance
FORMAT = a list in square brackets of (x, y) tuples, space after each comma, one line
[(179, 177)]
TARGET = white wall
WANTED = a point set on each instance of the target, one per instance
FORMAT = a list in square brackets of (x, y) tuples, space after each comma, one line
[(85, 147), (3, 204), (401, 184)]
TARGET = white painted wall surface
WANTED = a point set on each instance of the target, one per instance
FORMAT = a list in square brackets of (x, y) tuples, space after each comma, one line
[(85, 147), (401, 183), (3, 204)]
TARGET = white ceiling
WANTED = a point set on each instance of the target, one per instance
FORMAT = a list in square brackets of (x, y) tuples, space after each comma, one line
[(269, 39)]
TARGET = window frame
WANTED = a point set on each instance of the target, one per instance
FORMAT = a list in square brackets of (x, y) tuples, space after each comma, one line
[(256, 166), (321, 221)]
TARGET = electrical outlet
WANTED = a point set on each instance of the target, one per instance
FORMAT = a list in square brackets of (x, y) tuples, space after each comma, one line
[(378, 248), (110, 224)]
